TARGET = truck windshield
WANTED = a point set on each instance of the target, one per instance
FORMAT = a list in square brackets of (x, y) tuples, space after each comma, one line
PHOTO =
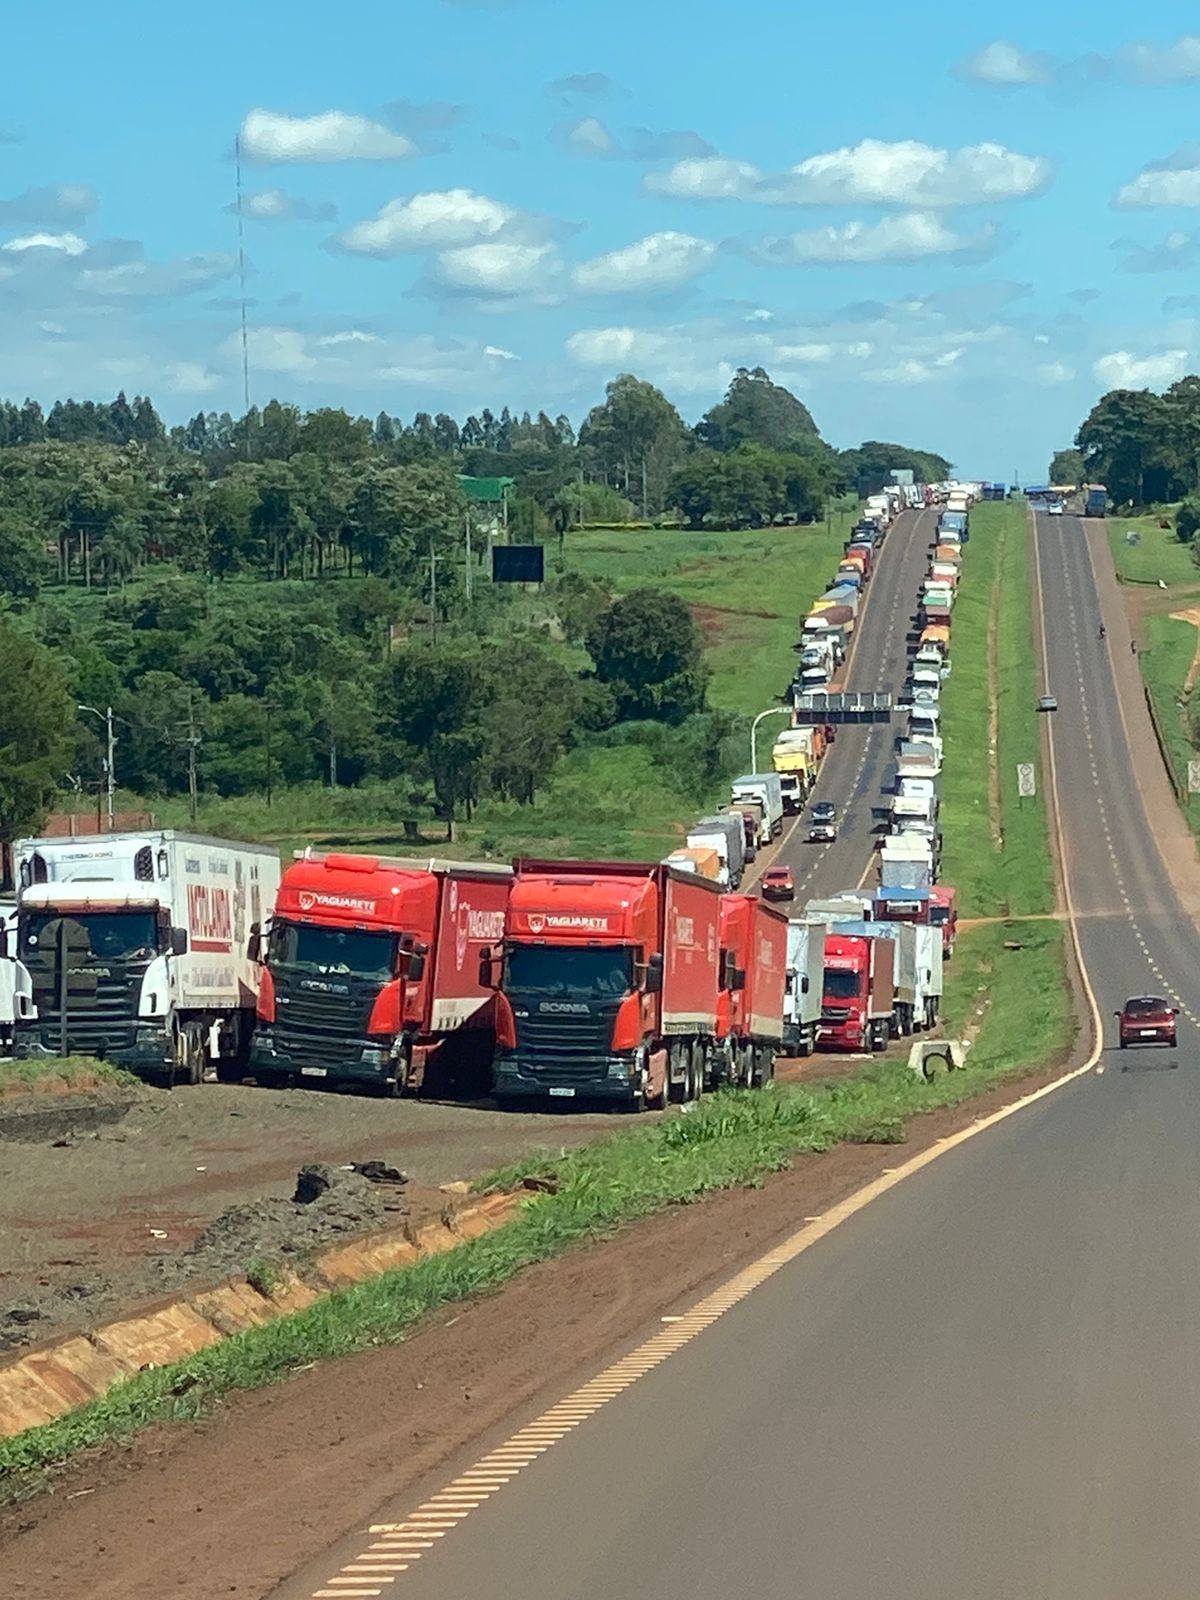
[(543, 969), (356, 951), (939, 915), (841, 985), (112, 935)]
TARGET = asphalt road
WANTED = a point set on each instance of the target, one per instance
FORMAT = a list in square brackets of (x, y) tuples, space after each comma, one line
[(862, 758), (985, 1385)]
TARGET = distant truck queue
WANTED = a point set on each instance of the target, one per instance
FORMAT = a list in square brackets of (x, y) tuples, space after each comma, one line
[(635, 984)]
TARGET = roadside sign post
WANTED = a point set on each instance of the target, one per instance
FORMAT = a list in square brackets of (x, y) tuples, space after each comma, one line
[(1027, 780)]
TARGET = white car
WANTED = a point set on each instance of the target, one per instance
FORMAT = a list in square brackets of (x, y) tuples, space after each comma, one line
[(1055, 509)]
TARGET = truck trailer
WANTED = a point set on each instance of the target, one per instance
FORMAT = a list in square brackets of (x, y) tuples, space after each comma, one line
[(750, 1008), (805, 985), (135, 947), (372, 974), (609, 978)]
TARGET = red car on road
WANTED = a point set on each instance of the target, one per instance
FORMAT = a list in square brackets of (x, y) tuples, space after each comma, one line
[(778, 884), (1147, 1019)]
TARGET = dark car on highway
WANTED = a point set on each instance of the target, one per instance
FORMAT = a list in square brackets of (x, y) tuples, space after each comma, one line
[(1147, 1019)]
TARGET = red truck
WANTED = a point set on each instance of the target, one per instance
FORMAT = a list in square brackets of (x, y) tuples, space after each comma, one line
[(372, 974), (943, 914), (858, 1001), (754, 939), (609, 983)]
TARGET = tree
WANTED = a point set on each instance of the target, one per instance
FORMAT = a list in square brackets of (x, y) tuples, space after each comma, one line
[(532, 709), (757, 411), (647, 648), (23, 563), (1066, 467), (868, 466), (636, 437), (37, 727), (434, 703), (1187, 520), (1124, 441)]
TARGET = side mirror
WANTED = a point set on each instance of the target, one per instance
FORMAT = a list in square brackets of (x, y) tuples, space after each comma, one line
[(415, 970), (486, 963), (1117, 1014), (654, 973), (804, 984), (179, 941), (739, 978), (1175, 1011), (254, 943)]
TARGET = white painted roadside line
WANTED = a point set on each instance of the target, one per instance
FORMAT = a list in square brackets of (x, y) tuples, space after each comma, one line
[(396, 1547), (1056, 808)]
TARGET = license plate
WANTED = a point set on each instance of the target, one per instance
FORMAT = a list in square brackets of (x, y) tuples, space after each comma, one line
[(1149, 1033), (562, 1094), (314, 1072)]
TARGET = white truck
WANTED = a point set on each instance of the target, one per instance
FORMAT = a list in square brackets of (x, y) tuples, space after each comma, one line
[(726, 835), (8, 969), (906, 861), (135, 947), (767, 788), (818, 663), (805, 985)]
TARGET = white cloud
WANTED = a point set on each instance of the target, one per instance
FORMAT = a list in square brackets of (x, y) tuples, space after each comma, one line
[(439, 220), (808, 354), (274, 349), (875, 172), (499, 269), (1176, 253), (1173, 63), (587, 85), (271, 136), (1005, 65), (276, 205), (348, 336), (604, 347), (1054, 372), (135, 279), (911, 237), (70, 244), (499, 354), (1123, 370), (190, 377), (1173, 182), (659, 262), (591, 137), (50, 206)]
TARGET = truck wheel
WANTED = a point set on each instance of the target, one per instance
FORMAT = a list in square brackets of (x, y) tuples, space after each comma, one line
[(764, 1067), (229, 1070), (679, 1075), (696, 1072)]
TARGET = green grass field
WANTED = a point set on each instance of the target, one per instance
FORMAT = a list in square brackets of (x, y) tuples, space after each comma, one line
[(996, 844), (1157, 555), (1168, 649), (751, 590)]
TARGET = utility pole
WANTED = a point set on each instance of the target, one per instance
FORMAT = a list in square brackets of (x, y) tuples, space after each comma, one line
[(580, 522), (193, 739), (470, 575), (110, 759)]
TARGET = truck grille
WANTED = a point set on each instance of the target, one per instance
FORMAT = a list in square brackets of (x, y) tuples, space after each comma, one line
[(835, 1013), (97, 1024), (322, 1029), (562, 1047)]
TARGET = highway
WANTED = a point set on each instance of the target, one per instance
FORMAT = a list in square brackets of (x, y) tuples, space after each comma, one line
[(860, 762), (982, 1386)]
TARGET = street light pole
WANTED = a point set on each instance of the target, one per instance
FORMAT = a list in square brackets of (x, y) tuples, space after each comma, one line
[(771, 711), (110, 748)]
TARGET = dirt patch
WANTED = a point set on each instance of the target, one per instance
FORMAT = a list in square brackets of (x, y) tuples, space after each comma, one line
[(102, 1202), (324, 1205), (379, 1422)]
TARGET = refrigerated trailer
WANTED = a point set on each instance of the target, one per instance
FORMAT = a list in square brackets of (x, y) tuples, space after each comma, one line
[(135, 947)]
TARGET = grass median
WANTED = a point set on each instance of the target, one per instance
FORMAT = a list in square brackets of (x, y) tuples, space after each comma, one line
[(61, 1075), (730, 1140), (997, 850)]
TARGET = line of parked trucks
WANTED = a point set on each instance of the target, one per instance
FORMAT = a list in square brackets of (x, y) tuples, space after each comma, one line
[(636, 983)]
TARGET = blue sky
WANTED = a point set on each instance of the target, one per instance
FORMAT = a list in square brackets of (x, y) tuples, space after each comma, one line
[(954, 228)]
